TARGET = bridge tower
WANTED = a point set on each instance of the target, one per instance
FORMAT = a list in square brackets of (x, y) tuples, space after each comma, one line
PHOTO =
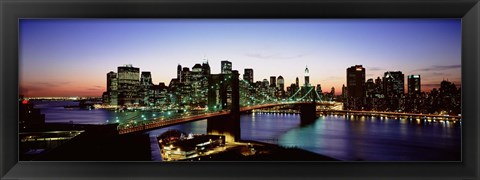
[(308, 110), (226, 97)]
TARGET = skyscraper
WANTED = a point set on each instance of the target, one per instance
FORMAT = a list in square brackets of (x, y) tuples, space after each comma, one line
[(370, 88), (146, 79), (307, 76), (197, 72), (112, 88), (146, 85), (205, 67), (226, 67), (378, 86), (248, 75), (393, 83), (297, 82), (273, 81), (393, 90), (355, 87), (344, 91), (179, 73), (128, 84), (111, 81), (414, 84), (185, 75), (356, 81), (280, 83), (265, 83)]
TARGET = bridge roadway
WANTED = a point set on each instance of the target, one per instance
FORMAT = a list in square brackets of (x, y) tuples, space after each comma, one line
[(160, 122)]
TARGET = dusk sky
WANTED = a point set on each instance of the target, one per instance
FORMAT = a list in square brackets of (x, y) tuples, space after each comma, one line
[(71, 57)]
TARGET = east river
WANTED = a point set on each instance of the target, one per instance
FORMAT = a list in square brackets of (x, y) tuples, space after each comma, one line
[(341, 137)]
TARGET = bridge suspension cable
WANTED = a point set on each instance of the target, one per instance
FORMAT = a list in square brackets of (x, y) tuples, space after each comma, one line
[(307, 93), (319, 97), (294, 94)]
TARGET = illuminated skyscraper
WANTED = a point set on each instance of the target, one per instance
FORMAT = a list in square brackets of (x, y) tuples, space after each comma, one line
[(248, 75), (393, 88), (112, 89), (281, 83), (197, 72), (393, 83), (146, 79), (265, 83), (226, 67), (273, 81), (356, 81), (414, 84), (297, 82), (370, 88), (206, 67), (355, 87), (307, 77), (128, 84), (185, 75), (111, 81), (146, 85), (179, 73)]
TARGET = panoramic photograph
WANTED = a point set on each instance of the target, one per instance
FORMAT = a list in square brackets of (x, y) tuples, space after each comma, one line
[(240, 90)]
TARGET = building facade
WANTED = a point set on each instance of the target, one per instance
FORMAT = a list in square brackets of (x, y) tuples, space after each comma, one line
[(128, 84), (355, 87), (226, 67), (414, 86)]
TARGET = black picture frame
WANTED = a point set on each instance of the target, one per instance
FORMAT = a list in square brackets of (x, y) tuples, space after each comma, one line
[(12, 10)]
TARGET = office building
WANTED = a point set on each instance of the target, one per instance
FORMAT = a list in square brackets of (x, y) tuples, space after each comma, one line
[(393, 84), (185, 77), (248, 75), (273, 81), (265, 83), (356, 81), (280, 83), (206, 68), (414, 87), (307, 77), (344, 91), (146, 80), (111, 96), (355, 87), (297, 82), (226, 67), (128, 84), (179, 73), (370, 88)]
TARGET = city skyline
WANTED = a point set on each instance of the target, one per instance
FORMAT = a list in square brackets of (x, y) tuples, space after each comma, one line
[(72, 57)]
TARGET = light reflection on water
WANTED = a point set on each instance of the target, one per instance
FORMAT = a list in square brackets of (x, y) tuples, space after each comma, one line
[(341, 137)]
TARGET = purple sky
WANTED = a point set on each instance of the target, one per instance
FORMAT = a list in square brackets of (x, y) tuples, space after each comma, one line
[(70, 57)]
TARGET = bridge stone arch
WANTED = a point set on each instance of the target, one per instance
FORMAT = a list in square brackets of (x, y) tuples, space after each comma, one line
[(224, 94)]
